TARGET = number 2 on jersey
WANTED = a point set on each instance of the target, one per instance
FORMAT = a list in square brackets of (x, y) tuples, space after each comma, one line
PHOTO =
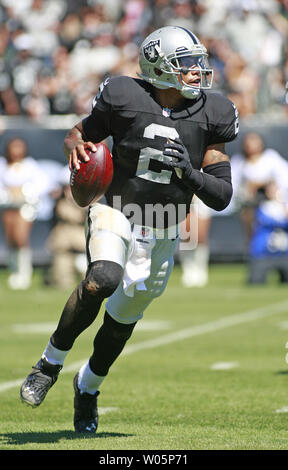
[(149, 153)]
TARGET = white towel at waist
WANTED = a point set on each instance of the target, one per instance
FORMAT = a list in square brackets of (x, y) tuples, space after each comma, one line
[(138, 266)]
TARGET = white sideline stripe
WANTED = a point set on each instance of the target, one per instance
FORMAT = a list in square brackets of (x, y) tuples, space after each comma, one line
[(284, 409), (34, 328), (7, 385), (152, 325), (209, 327), (109, 409), (224, 365), (283, 325), (38, 328), (225, 322)]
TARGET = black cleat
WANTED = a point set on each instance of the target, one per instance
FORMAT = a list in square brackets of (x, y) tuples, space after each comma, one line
[(36, 385), (85, 410)]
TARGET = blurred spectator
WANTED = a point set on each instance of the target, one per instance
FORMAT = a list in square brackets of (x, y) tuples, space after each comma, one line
[(268, 250), (21, 185), (183, 14), (56, 83), (8, 101), (70, 31), (24, 68), (94, 58), (54, 173), (112, 9), (162, 13), (67, 239), (242, 84), (136, 18), (194, 262), (246, 41), (41, 23), (254, 168)]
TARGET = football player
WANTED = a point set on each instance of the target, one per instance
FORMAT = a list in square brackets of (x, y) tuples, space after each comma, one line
[(169, 132)]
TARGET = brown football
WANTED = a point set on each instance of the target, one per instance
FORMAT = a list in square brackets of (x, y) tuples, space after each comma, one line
[(91, 181)]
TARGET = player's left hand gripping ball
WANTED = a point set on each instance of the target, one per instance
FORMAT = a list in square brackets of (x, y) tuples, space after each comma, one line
[(91, 181)]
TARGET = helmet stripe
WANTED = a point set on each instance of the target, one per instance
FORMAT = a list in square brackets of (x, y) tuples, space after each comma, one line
[(192, 36)]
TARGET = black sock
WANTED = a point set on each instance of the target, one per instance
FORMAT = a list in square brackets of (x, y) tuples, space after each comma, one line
[(108, 344)]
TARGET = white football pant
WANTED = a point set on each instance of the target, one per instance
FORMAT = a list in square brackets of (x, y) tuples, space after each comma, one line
[(146, 255)]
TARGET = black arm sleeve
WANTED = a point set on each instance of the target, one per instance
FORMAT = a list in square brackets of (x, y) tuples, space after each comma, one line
[(97, 126), (213, 186)]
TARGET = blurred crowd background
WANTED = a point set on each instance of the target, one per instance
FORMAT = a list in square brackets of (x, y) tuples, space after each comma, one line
[(53, 56), (54, 53)]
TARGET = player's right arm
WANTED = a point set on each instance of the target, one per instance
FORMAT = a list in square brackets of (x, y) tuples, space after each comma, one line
[(75, 145), (93, 128)]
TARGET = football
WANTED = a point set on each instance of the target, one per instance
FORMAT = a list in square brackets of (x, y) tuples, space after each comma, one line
[(91, 181)]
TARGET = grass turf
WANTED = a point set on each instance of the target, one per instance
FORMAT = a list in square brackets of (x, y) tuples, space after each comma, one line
[(163, 397)]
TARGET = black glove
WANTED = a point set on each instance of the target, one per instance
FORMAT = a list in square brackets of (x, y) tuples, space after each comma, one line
[(212, 185), (176, 149), (192, 178)]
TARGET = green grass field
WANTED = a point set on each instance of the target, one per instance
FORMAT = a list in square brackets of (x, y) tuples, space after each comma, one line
[(206, 370)]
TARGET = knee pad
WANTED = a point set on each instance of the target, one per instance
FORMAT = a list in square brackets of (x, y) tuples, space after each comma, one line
[(102, 279)]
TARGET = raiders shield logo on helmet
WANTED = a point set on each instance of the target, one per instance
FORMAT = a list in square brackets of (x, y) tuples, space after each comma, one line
[(150, 52)]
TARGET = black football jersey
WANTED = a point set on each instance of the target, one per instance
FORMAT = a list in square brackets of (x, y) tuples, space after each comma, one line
[(126, 110)]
